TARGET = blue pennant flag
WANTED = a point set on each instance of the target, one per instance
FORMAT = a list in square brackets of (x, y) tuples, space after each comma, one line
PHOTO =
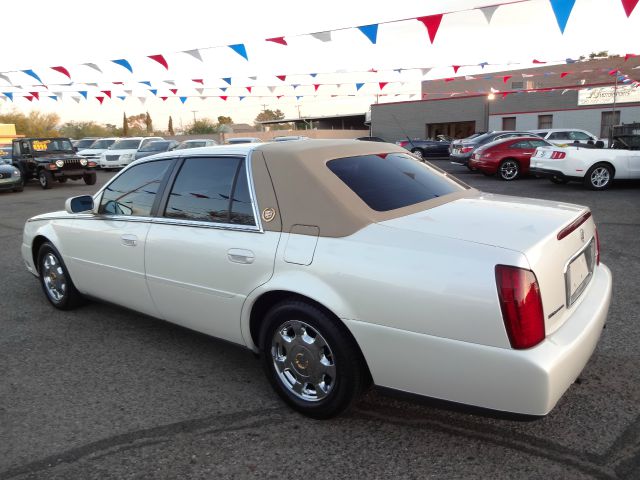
[(9, 95), (295, 85), (370, 31), (298, 98), (562, 10), (53, 97), (146, 83), (83, 93), (228, 80), (241, 98), (183, 99), (123, 63), (33, 74), (121, 97), (313, 75), (359, 86), (240, 50), (224, 89), (154, 91), (483, 64)]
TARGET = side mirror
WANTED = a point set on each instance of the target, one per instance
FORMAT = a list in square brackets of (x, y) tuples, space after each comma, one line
[(83, 203)]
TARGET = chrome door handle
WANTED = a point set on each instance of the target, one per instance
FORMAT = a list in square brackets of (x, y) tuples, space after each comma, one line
[(239, 255), (129, 240)]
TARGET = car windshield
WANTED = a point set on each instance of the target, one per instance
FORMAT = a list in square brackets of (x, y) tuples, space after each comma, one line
[(126, 145), (50, 145), (395, 180), (191, 145), (155, 147), (5, 155), (85, 143), (102, 144)]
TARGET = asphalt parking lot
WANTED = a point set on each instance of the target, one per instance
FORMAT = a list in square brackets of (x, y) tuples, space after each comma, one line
[(102, 392)]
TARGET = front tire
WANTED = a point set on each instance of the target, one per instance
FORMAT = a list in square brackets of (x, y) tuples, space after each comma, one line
[(599, 177), (90, 178), (55, 279), (45, 178), (508, 170), (311, 360)]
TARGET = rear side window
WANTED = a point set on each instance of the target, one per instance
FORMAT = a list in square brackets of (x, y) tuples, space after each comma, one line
[(134, 192), (211, 190), (389, 181)]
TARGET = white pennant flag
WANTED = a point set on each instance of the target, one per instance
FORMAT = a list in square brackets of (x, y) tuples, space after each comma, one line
[(94, 66), (58, 94), (77, 99), (203, 98), (142, 99), (200, 90), (469, 77), (272, 89), (170, 82), (129, 92), (524, 75), (6, 79), (194, 53), (322, 36), (425, 71), (489, 11), (253, 78)]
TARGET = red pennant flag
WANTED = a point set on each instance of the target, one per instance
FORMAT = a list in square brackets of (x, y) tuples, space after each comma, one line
[(504, 94), (164, 99), (564, 74), (316, 86), (373, 70), (35, 95), (281, 77), (629, 5), (29, 97), (382, 84), (628, 56), (279, 40), (107, 93), (100, 99), (382, 155), (118, 83), (62, 70), (198, 80), (432, 24), (279, 96), (613, 72), (506, 78), (160, 59), (224, 98), (249, 89), (538, 62), (450, 79), (173, 90), (456, 68)]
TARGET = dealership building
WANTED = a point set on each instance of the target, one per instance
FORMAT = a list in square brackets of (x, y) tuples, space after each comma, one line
[(580, 95)]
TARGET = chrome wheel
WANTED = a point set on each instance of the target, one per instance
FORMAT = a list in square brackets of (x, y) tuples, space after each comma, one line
[(53, 276), (418, 153), (509, 170), (600, 177), (303, 360), (43, 180)]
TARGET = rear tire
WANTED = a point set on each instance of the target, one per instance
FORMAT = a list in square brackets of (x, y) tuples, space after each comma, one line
[(599, 177), (45, 178), (90, 178), (311, 360), (55, 279), (508, 170), (559, 180)]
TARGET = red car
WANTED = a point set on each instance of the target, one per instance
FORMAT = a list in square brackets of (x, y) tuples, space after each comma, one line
[(508, 158)]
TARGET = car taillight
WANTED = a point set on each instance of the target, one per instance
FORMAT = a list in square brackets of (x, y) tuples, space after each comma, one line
[(597, 248), (403, 143), (466, 149), (558, 155), (521, 306)]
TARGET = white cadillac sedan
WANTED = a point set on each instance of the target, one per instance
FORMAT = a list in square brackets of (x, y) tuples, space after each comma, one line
[(344, 263)]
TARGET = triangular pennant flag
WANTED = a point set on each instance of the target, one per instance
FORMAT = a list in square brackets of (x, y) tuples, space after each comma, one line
[(9, 95), (525, 75), (382, 84), (253, 78), (489, 11), (122, 97), (506, 78), (170, 82), (77, 99), (299, 97), (199, 90), (224, 97), (279, 40), (183, 99), (432, 24), (281, 77), (92, 84), (173, 90), (203, 98), (314, 75), (628, 56), (279, 96), (359, 86), (142, 99), (154, 91), (295, 85), (118, 83), (469, 77), (241, 98), (240, 50), (398, 70), (248, 89), (613, 72), (370, 31), (35, 95), (198, 80), (570, 60), (483, 64), (6, 79), (504, 94), (57, 94), (83, 93), (194, 53), (224, 89), (450, 79), (564, 74), (424, 71), (145, 82), (32, 74), (100, 99), (123, 63), (628, 6), (316, 86), (53, 97), (164, 99), (29, 97), (94, 66), (160, 59), (107, 93), (62, 70), (455, 68), (538, 62), (129, 92), (322, 36), (272, 89), (562, 10), (227, 80)]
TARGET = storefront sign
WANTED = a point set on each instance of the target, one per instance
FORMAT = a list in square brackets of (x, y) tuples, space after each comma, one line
[(605, 95)]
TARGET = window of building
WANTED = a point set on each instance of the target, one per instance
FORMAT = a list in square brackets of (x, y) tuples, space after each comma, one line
[(517, 85), (203, 192), (508, 123), (134, 192), (609, 119), (545, 121)]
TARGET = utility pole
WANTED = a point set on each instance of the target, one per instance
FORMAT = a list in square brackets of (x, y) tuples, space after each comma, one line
[(613, 108), (194, 115)]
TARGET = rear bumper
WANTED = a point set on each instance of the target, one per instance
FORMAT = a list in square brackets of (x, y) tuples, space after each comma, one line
[(527, 382), (460, 159)]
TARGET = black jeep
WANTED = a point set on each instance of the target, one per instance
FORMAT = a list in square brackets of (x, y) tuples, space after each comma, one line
[(49, 159)]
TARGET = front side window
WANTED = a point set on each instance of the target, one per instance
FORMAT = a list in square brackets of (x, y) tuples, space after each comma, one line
[(390, 181), (579, 136), (134, 192), (521, 145), (539, 143), (211, 190), (559, 136)]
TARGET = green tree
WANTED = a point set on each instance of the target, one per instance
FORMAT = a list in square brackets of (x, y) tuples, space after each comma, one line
[(202, 126), (125, 125), (222, 120), (36, 124), (267, 114), (87, 129), (148, 124), (171, 132)]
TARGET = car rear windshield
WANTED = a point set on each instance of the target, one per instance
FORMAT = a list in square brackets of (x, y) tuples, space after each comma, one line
[(101, 144), (155, 147), (395, 180), (125, 145)]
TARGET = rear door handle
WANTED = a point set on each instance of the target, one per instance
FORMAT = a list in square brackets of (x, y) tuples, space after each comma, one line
[(129, 240), (240, 255)]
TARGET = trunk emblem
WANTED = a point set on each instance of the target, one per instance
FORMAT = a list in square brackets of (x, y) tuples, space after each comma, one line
[(582, 235), (268, 214)]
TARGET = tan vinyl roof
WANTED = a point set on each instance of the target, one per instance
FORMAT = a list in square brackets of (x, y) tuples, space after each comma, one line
[(309, 193)]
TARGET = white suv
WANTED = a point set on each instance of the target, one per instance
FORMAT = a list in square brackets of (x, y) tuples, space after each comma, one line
[(123, 152), (565, 136)]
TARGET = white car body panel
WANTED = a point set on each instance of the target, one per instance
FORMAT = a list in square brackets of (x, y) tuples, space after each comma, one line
[(579, 160)]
